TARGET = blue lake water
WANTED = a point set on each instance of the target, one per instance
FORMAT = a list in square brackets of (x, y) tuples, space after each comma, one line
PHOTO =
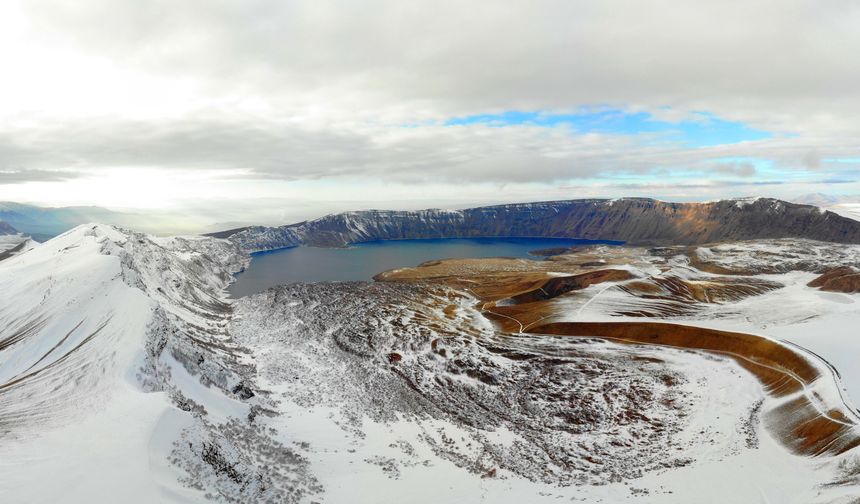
[(364, 260)]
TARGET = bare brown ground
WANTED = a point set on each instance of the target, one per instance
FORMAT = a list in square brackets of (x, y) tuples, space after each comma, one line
[(556, 286), (497, 278), (517, 296), (845, 279), (518, 293), (782, 371), (699, 264), (780, 368), (674, 296)]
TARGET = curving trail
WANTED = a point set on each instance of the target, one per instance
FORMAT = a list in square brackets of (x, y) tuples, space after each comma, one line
[(807, 413), (804, 420)]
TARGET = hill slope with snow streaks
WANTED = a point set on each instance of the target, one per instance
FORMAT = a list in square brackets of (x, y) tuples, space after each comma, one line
[(127, 374)]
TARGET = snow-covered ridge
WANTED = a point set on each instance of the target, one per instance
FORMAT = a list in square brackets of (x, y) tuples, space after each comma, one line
[(632, 220), (113, 347), (12, 242), (96, 282)]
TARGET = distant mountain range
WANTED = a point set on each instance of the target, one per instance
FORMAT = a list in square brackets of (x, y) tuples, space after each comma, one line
[(7, 229), (43, 223), (632, 220), (825, 200)]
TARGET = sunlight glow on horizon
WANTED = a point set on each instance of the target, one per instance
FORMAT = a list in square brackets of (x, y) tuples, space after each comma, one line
[(215, 113)]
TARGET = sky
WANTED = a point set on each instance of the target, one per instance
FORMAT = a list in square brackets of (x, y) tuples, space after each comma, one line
[(212, 113)]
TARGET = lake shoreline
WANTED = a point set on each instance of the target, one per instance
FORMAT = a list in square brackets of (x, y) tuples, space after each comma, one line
[(361, 261)]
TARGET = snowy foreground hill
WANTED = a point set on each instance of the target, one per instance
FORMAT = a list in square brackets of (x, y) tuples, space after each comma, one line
[(127, 375)]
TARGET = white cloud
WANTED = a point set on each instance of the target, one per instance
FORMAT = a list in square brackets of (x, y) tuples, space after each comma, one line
[(118, 94)]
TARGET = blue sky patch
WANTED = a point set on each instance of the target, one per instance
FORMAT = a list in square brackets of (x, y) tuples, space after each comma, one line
[(702, 130)]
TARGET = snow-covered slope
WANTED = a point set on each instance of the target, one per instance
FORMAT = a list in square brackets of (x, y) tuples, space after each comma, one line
[(425, 401), (126, 375), (12, 242), (118, 379)]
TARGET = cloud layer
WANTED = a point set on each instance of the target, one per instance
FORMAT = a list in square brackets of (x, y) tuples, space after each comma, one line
[(323, 95)]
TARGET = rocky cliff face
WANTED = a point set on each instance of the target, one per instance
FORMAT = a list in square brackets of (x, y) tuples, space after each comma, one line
[(632, 220)]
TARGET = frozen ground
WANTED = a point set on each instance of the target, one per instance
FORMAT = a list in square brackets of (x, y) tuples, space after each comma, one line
[(428, 443), (126, 375), (823, 322)]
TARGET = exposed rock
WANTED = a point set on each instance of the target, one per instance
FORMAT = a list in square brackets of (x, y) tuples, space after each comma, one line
[(630, 220)]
